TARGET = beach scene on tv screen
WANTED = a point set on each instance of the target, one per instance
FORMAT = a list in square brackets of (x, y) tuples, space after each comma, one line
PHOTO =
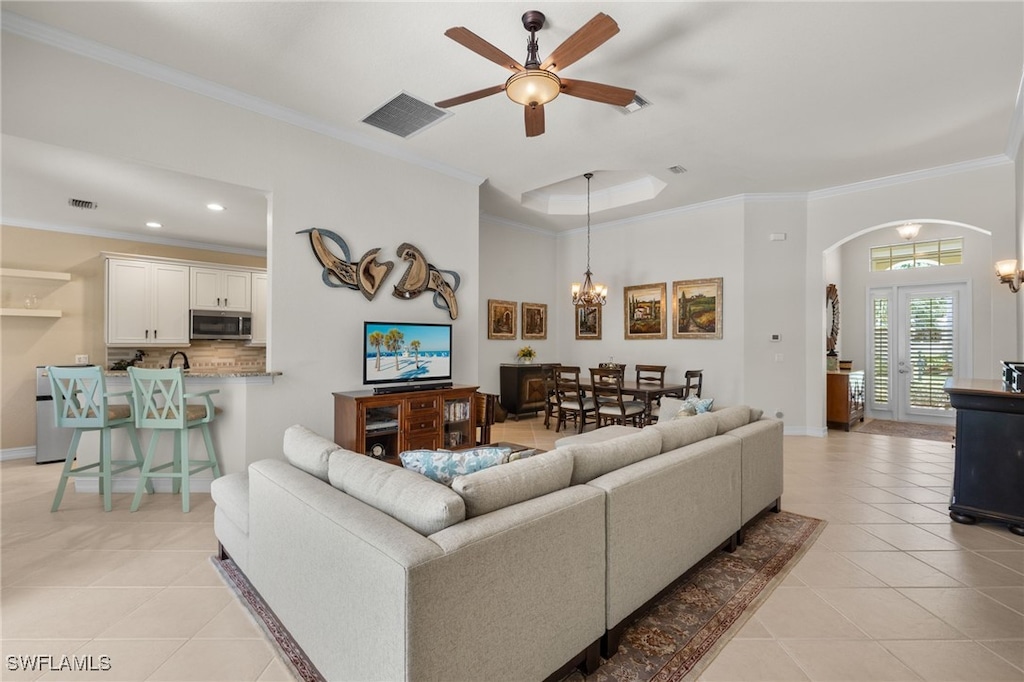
[(407, 352)]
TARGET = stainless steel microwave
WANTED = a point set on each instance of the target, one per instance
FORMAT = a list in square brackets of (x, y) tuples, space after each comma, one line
[(220, 324)]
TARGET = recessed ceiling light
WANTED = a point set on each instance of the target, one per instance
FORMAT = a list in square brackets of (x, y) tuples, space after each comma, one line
[(215, 207), (153, 224)]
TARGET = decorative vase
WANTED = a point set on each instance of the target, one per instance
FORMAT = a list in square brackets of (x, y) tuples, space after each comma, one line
[(832, 362), (526, 361)]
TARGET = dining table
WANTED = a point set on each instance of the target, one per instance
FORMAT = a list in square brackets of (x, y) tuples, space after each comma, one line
[(645, 391)]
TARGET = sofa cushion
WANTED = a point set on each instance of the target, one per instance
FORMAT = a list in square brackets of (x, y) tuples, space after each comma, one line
[(678, 433), (515, 482), (231, 495), (597, 435), (416, 501), (597, 459), (732, 418), (307, 450), (755, 414), (669, 407), (444, 465)]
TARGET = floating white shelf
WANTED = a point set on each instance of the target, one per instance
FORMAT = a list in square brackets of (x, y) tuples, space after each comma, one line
[(29, 312), (36, 274)]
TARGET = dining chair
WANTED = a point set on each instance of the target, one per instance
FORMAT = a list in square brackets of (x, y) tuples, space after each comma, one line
[(550, 394), (692, 379), (572, 401), (653, 375), (81, 402), (606, 385), (161, 404)]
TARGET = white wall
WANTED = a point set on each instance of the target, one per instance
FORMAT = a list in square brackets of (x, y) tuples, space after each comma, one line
[(519, 265), (1019, 168), (983, 196), (688, 244), (313, 181)]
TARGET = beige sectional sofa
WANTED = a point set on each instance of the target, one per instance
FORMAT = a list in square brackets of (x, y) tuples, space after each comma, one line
[(518, 571)]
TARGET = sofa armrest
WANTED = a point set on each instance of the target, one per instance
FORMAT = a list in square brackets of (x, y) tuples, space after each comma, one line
[(761, 445)]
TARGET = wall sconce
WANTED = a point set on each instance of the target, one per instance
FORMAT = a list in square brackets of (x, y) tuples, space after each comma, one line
[(1009, 274), (909, 230)]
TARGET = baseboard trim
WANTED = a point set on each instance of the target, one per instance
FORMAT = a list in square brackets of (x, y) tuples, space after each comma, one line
[(816, 432), (28, 452)]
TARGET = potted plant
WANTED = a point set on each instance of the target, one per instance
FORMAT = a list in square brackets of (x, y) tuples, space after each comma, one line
[(526, 354)]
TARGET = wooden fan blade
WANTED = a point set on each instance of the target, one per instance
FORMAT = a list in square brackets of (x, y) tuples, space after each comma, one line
[(598, 92), (534, 120), (463, 36), (581, 43), (470, 96)]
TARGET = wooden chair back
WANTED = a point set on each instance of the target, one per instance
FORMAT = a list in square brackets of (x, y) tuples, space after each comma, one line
[(80, 398), (693, 380), (650, 374)]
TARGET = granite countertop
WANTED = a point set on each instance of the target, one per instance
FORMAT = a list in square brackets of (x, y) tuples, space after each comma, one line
[(207, 373)]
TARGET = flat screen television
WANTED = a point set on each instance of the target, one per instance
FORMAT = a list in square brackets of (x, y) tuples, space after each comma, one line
[(400, 352)]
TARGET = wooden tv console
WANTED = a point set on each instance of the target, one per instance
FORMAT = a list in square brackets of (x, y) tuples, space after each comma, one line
[(382, 426)]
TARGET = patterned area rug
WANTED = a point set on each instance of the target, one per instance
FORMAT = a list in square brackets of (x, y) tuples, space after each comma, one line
[(681, 634), (884, 427)]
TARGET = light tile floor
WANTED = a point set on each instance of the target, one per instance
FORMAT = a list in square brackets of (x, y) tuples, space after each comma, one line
[(892, 589)]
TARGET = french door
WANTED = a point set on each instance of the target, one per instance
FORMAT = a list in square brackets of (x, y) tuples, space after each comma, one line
[(919, 336)]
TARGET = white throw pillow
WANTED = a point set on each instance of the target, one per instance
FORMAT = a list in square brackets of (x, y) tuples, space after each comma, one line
[(669, 408)]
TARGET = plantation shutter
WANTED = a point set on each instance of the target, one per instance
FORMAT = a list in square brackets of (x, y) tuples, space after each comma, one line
[(880, 351), (931, 349)]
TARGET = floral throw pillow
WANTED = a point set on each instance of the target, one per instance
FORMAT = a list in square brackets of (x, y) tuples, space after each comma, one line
[(694, 405), (443, 465)]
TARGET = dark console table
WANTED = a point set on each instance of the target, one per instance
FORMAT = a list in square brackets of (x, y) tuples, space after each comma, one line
[(988, 479), (524, 388)]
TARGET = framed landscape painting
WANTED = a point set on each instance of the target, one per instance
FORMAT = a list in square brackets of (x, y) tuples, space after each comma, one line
[(697, 309), (588, 322), (501, 319), (644, 311), (535, 320)]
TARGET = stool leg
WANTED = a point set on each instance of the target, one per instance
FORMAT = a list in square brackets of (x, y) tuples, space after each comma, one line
[(133, 436), (144, 474), (68, 462), (186, 466), (106, 483), (209, 450), (176, 480)]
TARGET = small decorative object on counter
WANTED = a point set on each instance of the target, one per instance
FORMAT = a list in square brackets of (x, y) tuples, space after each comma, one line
[(526, 354), (845, 365), (832, 361)]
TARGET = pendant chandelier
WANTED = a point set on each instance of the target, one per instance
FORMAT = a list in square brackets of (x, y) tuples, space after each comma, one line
[(589, 294)]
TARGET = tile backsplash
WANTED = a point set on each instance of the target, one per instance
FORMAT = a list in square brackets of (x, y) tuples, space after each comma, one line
[(208, 355)]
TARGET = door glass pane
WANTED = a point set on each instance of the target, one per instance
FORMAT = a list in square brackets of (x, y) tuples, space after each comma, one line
[(880, 347), (931, 327)]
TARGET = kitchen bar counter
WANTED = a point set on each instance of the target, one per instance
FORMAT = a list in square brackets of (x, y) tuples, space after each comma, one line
[(236, 389)]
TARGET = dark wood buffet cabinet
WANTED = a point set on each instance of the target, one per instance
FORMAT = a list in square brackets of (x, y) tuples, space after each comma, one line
[(385, 425), (844, 399), (524, 387), (988, 473)]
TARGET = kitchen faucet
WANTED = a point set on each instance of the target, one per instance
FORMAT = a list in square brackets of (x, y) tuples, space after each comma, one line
[(170, 362)]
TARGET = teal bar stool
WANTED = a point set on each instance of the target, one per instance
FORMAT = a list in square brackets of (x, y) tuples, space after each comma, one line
[(160, 405), (81, 402)]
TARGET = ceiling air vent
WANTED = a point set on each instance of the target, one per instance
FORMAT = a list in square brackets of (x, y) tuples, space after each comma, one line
[(636, 105), (83, 204), (678, 170), (405, 115)]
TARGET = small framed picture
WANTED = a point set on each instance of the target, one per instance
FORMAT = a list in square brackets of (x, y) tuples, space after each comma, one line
[(644, 311), (535, 320), (588, 322), (501, 319), (697, 309)]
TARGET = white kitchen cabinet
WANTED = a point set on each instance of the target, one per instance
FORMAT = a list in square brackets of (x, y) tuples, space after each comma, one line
[(147, 303), (215, 289), (259, 309)]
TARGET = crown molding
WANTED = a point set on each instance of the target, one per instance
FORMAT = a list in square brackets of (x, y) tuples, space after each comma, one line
[(69, 42), (912, 176), (129, 236), (505, 222)]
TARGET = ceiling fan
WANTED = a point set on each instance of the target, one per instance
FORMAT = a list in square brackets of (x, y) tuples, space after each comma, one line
[(536, 83)]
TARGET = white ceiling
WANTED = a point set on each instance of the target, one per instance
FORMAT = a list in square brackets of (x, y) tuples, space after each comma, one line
[(748, 97)]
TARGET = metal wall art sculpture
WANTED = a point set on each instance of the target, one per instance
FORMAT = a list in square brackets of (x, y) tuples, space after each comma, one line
[(366, 276), (421, 275), (369, 274)]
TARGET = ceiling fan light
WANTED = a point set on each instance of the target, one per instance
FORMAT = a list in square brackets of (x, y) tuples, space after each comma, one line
[(533, 87)]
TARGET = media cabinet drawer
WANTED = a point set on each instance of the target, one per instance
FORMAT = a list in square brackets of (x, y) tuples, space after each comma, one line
[(422, 423), (423, 404)]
